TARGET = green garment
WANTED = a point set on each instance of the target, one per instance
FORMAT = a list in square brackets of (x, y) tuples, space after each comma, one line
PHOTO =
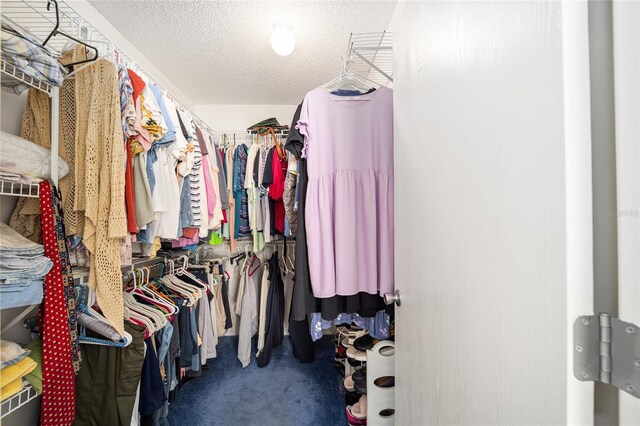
[(35, 377)]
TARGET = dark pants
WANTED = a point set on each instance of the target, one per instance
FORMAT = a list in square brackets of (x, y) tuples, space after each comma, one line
[(107, 383)]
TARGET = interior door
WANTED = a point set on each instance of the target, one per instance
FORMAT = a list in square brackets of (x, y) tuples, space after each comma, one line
[(493, 211), (626, 53)]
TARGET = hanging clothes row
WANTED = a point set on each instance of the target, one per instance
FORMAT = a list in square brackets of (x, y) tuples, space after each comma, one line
[(178, 185), (174, 322)]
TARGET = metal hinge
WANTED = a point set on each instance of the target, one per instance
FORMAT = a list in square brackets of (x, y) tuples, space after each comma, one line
[(607, 350)]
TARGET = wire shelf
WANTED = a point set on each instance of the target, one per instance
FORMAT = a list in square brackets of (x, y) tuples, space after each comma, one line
[(18, 400), (10, 71), (19, 189), (34, 17), (371, 55)]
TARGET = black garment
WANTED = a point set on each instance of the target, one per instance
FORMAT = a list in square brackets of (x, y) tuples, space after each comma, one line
[(151, 387), (192, 371), (303, 348), (267, 180), (174, 350), (182, 126), (256, 170), (303, 300), (107, 383), (267, 174), (225, 299), (274, 316), (188, 338)]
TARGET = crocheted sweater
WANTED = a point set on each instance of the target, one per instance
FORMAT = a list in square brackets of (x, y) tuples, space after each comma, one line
[(91, 141), (99, 170)]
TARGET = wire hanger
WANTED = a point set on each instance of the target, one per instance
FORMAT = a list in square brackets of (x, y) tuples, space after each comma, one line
[(56, 32), (349, 80)]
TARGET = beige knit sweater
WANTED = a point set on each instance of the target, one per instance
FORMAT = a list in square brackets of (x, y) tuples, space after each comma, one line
[(93, 192), (99, 142)]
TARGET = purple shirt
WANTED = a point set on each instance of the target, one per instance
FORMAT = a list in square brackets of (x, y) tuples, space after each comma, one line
[(349, 206)]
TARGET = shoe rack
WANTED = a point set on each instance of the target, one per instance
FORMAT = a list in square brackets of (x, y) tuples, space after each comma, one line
[(380, 400)]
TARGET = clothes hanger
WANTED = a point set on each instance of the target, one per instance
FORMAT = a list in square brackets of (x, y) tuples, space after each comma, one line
[(157, 299), (157, 319), (198, 283), (99, 328), (283, 265), (139, 319), (190, 295), (194, 289), (56, 32), (142, 292), (350, 80), (290, 257)]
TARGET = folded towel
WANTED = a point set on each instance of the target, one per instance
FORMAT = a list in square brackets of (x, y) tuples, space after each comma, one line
[(11, 377), (11, 353)]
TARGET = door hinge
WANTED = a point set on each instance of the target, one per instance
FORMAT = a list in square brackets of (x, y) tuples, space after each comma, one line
[(607, 350)]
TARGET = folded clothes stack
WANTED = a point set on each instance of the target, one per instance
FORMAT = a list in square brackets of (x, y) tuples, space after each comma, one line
[(23, 266), (26, 53), (19, 366), (22, 161)]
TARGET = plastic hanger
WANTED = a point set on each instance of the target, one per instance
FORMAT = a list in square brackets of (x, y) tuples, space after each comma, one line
[(82, 337), (144, 293), (142, 308), (144, 287), (184, 293), (56, 32), (196, 291), (157, 319)]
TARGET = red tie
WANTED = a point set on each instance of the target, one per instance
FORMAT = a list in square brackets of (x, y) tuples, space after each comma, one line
[(58, 385)]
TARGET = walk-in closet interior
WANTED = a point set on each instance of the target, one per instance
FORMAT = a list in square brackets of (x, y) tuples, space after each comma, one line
[(158, 266), (219, 212)]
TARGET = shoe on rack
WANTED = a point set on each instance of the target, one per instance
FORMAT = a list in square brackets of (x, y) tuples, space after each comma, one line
[(360, 385), (345, 343), (360, 373), (365, 342), (353, 353), (354, 333), (347, 384), (351, 398), (355, 363), (357, 413)]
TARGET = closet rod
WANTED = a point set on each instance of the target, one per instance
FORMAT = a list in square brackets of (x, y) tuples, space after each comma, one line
[(120, 57)]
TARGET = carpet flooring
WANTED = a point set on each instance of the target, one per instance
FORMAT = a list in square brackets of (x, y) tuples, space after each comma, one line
[(285, 392)]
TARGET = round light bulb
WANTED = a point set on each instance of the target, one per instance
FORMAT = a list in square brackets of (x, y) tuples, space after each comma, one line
[(283, 41)]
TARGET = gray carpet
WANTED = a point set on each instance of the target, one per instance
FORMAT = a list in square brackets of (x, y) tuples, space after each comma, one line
[(284, 392)]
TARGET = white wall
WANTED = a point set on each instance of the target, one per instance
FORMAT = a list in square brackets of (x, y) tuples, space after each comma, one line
[(238, 117), (100, 23), (11, 107)]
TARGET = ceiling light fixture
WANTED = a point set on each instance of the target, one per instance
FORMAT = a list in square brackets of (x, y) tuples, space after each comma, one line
[(282, 40)]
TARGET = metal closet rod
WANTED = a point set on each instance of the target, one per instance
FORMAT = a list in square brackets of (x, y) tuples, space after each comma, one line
[(118, 55)]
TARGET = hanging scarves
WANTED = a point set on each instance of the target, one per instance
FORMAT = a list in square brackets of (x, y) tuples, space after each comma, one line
[(57, 318)]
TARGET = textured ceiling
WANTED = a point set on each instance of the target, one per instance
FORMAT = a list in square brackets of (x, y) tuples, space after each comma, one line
[(219, 52)]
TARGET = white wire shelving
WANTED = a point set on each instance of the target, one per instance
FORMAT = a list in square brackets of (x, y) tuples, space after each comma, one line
[(18, 189), (18, 400), (371, 55), (35, 18), (11, 72)]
